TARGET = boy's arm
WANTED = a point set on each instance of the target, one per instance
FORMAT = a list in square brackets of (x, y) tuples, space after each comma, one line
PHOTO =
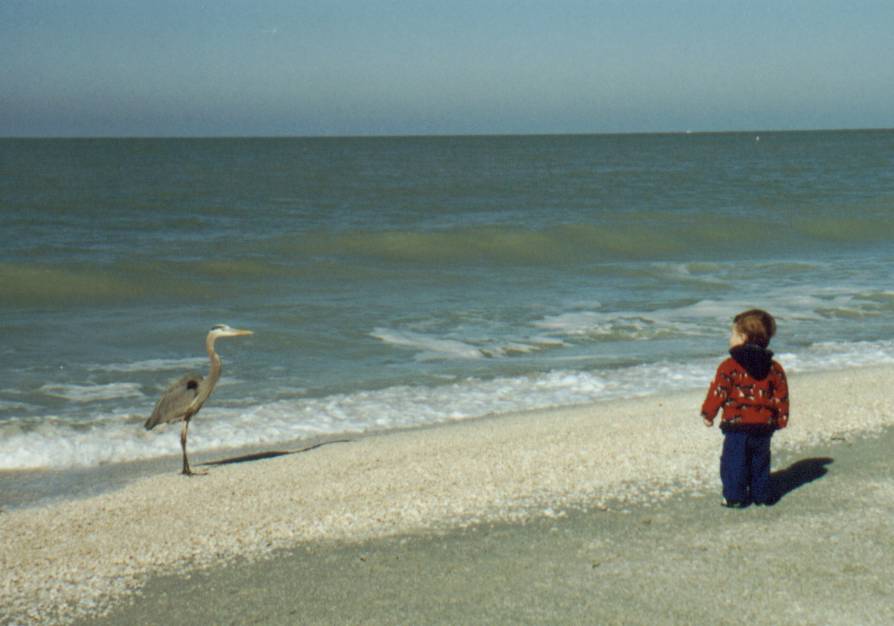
[(780, 396), (718, 392)]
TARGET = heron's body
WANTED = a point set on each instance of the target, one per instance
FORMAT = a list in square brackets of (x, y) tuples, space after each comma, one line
[(185, 397), (179, 402)]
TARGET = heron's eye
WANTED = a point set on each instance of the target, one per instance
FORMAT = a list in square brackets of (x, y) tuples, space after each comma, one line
[(192, 385)]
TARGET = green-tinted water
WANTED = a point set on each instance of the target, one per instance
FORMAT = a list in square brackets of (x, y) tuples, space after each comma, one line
[(407, 280)]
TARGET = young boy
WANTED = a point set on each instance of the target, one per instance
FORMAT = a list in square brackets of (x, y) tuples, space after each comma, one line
[(751, 389)]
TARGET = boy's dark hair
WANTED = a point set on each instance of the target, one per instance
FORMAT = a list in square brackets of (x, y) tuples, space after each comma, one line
[(757, 325)]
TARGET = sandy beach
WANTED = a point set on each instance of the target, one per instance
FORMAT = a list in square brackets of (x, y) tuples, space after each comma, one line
[(605, 513)]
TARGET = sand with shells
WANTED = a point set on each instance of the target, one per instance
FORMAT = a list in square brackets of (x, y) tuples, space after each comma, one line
[(83, 558)]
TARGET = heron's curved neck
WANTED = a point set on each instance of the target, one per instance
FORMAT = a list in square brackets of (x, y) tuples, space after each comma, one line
[(214, 372)]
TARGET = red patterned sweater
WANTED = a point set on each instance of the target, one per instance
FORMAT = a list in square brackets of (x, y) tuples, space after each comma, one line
[(751, 389)]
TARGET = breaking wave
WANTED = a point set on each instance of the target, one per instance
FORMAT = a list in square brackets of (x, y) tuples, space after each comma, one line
[(57, 442)]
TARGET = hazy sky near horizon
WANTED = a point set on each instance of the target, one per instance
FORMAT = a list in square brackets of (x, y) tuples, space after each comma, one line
[(354, 67)]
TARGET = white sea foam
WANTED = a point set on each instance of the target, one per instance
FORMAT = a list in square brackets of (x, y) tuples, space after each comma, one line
[(8, 405), (708, 316), (152, 365), (619, 325), (93, 393), (831, 355), (57, 442), (429, 347)]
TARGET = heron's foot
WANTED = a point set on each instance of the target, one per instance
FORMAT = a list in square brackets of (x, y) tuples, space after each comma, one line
[(188, 472)]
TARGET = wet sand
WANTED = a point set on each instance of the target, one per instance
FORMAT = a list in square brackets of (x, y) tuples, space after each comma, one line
[(602, 513)]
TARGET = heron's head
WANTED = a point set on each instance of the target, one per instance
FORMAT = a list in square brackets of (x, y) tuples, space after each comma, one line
[(222, 330)]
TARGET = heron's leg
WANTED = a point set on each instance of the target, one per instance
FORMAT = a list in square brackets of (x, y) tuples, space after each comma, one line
[(183, 429), (186, 469)]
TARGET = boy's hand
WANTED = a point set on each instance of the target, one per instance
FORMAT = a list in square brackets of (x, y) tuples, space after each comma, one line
[(708, 422)]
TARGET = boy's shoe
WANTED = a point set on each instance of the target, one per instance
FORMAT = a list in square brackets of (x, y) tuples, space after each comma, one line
[(734, 504)]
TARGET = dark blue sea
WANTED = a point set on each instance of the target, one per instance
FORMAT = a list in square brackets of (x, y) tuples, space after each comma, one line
[(394, 282)]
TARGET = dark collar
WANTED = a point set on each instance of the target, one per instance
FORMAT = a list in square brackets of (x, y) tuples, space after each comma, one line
[(755, 359)]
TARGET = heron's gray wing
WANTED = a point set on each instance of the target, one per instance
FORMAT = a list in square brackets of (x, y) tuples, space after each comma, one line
[(175, 401)]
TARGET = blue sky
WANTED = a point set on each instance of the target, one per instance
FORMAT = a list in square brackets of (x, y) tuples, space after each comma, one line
[(352, 67)]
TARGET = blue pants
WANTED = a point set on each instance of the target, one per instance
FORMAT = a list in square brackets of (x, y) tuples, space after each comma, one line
[(745, 467)]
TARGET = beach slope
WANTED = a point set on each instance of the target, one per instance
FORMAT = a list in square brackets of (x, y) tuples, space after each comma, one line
[(585, 472)]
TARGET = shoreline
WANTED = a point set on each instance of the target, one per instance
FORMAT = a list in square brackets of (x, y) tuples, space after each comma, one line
[(36, 488), (88, 556), (41, 487)]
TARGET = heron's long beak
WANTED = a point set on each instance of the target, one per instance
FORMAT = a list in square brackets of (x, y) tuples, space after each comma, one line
[(242, 333)]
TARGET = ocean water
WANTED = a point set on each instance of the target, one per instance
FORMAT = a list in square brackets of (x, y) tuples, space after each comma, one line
[(394, 282)]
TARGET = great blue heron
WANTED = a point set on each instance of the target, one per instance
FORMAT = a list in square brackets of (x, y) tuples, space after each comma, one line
[(184, 398)]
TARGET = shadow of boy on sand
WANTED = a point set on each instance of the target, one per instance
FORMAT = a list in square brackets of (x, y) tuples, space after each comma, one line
[(798, 474)]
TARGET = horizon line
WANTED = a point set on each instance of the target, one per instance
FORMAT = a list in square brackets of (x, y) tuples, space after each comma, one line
[(449, 135)]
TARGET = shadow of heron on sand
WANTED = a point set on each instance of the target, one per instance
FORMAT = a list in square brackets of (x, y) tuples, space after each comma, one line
[(270, 454), (797, 475)]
